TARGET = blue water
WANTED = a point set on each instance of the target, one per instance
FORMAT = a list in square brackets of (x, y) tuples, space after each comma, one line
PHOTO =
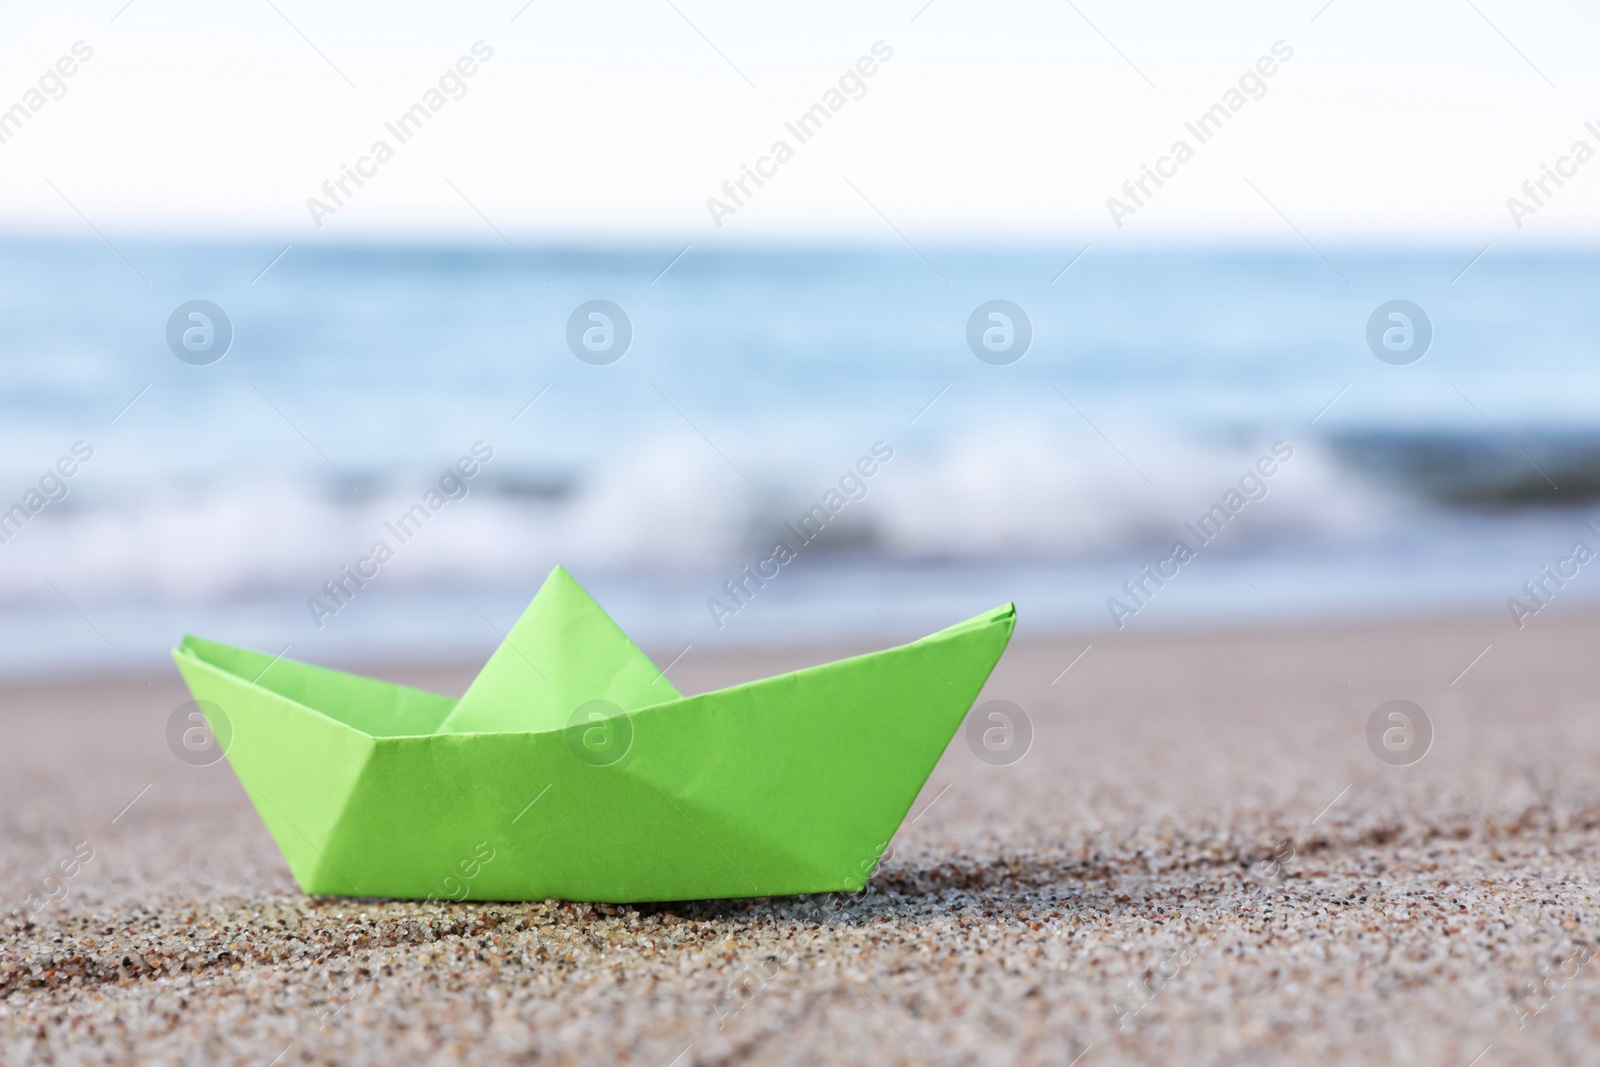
[(225, 496)]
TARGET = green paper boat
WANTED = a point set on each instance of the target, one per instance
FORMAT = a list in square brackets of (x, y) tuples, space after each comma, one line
[(571, 768)]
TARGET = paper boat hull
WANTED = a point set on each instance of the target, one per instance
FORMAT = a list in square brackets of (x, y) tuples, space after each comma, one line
[(791, 784)]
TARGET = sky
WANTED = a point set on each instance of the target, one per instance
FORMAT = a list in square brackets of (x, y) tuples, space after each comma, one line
[(1006, 121)]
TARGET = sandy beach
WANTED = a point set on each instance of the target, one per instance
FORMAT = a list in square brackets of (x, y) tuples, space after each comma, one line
[(1200, 859)]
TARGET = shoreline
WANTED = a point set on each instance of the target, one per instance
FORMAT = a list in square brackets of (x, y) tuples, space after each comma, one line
[(715, 662)]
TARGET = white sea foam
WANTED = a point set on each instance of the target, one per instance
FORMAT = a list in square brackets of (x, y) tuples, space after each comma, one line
[(1017, 492)]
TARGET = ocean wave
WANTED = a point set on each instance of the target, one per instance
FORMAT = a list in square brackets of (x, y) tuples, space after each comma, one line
[(1481, 471), (1023, 492)]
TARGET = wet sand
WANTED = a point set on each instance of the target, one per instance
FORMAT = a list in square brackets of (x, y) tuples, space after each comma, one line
[(1199, 860)]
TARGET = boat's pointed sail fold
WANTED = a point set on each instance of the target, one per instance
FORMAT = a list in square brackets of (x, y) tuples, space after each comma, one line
[(564, 652)]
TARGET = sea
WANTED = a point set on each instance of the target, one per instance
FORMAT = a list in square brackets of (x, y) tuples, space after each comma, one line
[(288, 470)]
